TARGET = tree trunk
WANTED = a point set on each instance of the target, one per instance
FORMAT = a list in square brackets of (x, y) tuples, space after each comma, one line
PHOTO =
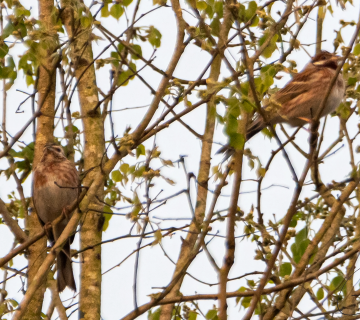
[(44, 134), (91, 227), (203, 174)]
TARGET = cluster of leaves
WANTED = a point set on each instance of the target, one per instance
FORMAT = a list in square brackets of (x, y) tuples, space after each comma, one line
[(123, 59), (7, 306), (240, 99), (116, 10), (26, 154), (182, 312), (20, 28), (139, 173)]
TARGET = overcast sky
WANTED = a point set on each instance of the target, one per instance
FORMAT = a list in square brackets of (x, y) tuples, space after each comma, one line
[(155, 269)]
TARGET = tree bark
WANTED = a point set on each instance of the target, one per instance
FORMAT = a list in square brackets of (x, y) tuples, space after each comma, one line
[(91, 227), (204, 170), (44, 134)]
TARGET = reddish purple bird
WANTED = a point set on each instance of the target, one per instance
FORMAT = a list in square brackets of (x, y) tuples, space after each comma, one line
[(55, 187)]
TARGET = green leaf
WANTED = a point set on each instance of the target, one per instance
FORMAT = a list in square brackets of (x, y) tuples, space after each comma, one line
[(247, 106), (116, 11), (237, 141), (116, 58), (211, 315), (215, 27), (242, 12), (201, 5), (293, 222), (116, 176), (74, 129), (261, 172), (301, 243), (192, 315), (267, 133), (137, 50), (356, 50), (105, 10), (251, 283), (140, 150), (255, 22), (245, 302), (209, 11), (154, 36), (85, 21), (231, 124), (154, 315), (27, 152), (3, 308), (351, 81), (242, 289), (285, 269), (8, 30), (250, 10), (126, 2), (4, 49), (218, 8), (124, 78), (107, 217), (21, 27), (330, 9), (301, 236), (13, 302), (268, 51), (234, 107), (21, 11), (336, 283), (157, 236), (299, 250), (344, 110), (29, 80), (124, 167), (12, 75), (135, 211), (139, 172), (320, 294)]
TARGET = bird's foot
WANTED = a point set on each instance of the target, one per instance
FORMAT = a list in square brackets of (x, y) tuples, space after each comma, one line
[(48, 229), (66, 213)]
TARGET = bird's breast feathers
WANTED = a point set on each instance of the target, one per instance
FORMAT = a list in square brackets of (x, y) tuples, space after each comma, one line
[(47, 175)]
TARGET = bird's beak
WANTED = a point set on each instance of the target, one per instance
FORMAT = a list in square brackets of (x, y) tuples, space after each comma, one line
[(46, 148), (336, 59)]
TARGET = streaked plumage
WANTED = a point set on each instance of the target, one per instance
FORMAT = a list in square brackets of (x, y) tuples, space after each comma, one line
[(50, 201), (298, 102)]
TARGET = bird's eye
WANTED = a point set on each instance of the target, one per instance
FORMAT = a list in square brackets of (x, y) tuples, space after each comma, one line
[(323, 58), (58, 149)]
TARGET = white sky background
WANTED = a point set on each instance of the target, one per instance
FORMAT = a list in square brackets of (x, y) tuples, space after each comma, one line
[(155, 269)]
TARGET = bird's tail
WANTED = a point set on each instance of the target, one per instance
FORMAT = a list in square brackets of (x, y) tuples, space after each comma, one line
[(65, 276), (227, 151), (255, 127), (252, 130)]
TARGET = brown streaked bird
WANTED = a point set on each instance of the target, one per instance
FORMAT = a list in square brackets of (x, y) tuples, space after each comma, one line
[(299, 101), (55, 187)]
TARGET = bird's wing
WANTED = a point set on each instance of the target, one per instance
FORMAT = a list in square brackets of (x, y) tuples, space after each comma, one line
[(38, 203), (305, 89), (300, 84)]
